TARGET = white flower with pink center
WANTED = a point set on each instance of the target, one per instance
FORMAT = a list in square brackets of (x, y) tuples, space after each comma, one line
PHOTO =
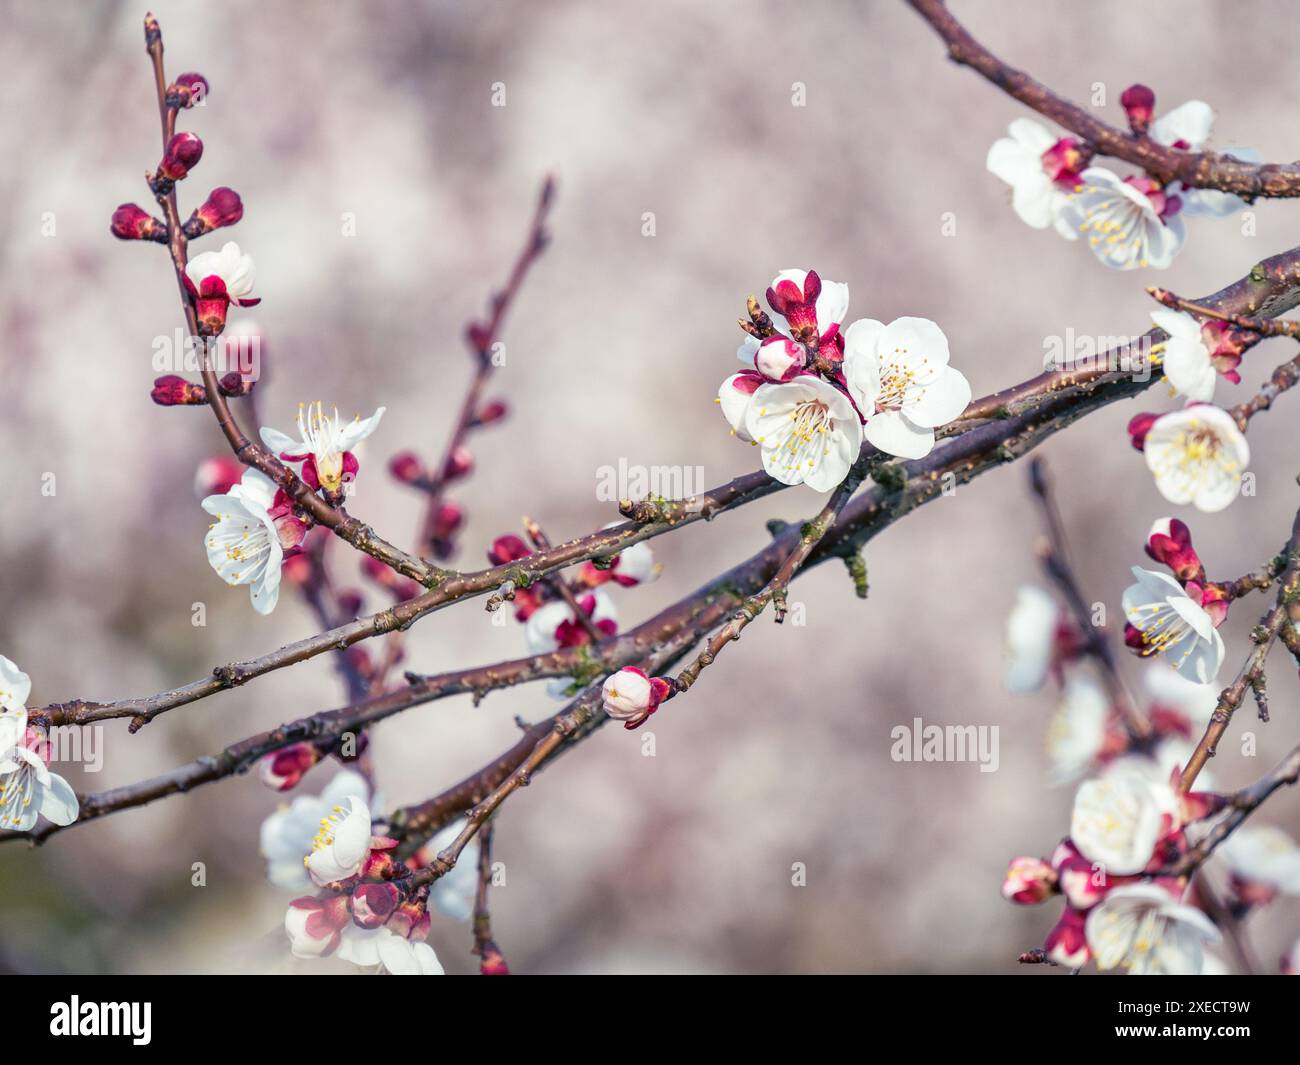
[(1197, 455), (246, 544), (808, 431), (401, 957), (28, 790), (1188, 128), (342, 843), (899, 377), (1164, 619), (323, 452), (216, 279), (1130, 223), (1118, 820), (1042, 171), (1145, 930), (287, 834), (1188, 363)]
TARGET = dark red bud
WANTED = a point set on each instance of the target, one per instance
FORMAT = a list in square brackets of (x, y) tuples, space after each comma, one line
[(447, 520), (187, 90), (173, 391), (1139, 103), (459, 463), (223, 207), (406, 467), (134, 223), (183, 153), (492, 411), (350, 603), (508, 548), (492, 962), (479, 337), (1138, 427)]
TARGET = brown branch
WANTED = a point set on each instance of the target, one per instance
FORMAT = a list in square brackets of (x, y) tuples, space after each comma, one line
[(1202, 170), (247, 451), (481, 339), (1283, 616), (1239, 807)]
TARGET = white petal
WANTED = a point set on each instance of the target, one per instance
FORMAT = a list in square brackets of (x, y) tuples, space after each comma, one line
[(58, 801), (942, 401), (357, 430), (1191, 122), (15, 686), (893, 434)]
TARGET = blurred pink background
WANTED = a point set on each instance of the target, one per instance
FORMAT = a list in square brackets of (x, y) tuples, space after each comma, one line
[(615, 862)]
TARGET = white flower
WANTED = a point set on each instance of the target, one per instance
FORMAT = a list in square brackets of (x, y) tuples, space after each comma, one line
[(15, 687), (233, 267), (243, 544), (1118, 820), (1031, 639), (324, 445), (898, 374), (627, 694), (1167, 687), (453, 895), (1173, 624), (401, 957), (1197, 455), (1187, 361), (342, 843), (28, 790), (286, 835), (1018, 160), (361, 946), (1188, 128), (1149, 933), (553, 626), (1077, 733), (1123, 223), (1264, 854), (808, 431)]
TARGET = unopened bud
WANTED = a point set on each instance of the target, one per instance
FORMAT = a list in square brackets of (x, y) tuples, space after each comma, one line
[(134, 223), (223, 207), (173, 391), (1139, 103), (187, 90), (183, 153), (406, 467)]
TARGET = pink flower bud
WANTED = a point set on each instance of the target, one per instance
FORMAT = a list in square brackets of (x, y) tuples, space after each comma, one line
[(350, 603), (1170, 543), (183, 153), (779, 359), (1066, 944), (131, 222), (491, 961), (491, 411), (373, 904), (315, 925), (1064, 162), (216, 476), (508, 548), (1139, 104), (459, 463), (187, 90), (173, 391), (1138, 427), (282, 770), (406, 467), (223, 207), (1028, 880), (410, 920), (631, 697), (449, 518)]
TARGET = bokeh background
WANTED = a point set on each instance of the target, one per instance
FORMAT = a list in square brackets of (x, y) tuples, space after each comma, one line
[(616, 862)]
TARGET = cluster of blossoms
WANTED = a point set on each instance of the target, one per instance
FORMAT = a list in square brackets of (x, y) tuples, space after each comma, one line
[(1130, 820), (549, 618), (258, 527), (814, 388), (369, 912), (28, 790), (1125, 828), (1131, 222), (1176, 616)]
